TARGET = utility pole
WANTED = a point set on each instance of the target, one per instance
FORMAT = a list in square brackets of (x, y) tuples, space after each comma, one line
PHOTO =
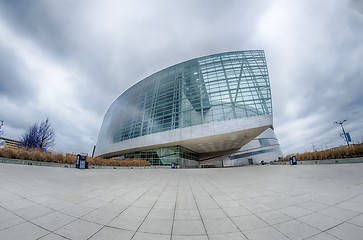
[(345, 135)]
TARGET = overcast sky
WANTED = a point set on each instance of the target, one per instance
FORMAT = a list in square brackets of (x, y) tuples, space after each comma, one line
[(69, 60)]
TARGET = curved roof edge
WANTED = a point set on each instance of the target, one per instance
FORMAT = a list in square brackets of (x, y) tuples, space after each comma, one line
[(192, 59)]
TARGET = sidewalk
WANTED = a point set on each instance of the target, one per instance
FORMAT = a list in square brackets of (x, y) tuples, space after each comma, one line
[(255, 202)]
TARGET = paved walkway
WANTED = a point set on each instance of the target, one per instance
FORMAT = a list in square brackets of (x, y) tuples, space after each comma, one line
[(258, 202)]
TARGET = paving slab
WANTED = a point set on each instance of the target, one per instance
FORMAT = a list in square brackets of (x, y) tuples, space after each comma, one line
[(296, 230), (79, 229), (112, 233), (320, 221), (255, 202), (357, 220), (265, 233), (228, 236), (9, 219), (24, 231), (220, 226), (347, 231), (53, 221), (249, 222)]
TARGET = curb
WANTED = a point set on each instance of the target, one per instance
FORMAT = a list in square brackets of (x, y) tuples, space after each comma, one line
[(325, 161)]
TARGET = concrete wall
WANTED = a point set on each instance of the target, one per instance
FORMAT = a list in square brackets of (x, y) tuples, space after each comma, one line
[(217, 162), (189, 164)]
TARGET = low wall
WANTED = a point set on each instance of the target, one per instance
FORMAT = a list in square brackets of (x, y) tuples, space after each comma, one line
[(35, 163), (325, 161), (65, 165), (50, 164)]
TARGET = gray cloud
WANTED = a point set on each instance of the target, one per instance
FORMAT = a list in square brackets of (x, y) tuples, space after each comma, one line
[(47, 24), (357, 5), (12, 74), (70, 60)]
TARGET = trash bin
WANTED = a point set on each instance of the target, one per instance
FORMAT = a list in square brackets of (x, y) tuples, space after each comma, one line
[(173, 165), (293, 160), (81, 162), (77, 160)]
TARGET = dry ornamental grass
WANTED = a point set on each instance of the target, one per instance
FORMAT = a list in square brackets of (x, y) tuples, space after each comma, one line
[(37, 155), (352, 151)]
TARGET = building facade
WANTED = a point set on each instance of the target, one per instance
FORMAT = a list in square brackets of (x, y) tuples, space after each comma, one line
[(9, 143), (201, 112)]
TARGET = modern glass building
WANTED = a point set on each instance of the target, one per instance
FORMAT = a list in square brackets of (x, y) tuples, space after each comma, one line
[(196, 113)]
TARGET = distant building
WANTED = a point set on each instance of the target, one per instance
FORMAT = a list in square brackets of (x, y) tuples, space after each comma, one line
[(9, 143), (212, 111)]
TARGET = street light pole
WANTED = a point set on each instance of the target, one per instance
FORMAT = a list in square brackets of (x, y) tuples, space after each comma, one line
[(345, 135), (1, 124)]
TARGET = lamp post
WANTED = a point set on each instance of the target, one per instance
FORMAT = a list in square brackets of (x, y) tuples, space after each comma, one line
[(1, 124), (345, 135)]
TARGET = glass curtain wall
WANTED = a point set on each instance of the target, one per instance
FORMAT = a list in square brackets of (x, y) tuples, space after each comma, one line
[(164, 156), (208, 89)]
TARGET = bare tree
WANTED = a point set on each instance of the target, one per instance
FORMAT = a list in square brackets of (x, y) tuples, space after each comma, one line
[(38, 136), (46, 135)]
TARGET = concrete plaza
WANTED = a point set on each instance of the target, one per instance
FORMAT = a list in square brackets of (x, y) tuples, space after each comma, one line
[(257, 202)]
